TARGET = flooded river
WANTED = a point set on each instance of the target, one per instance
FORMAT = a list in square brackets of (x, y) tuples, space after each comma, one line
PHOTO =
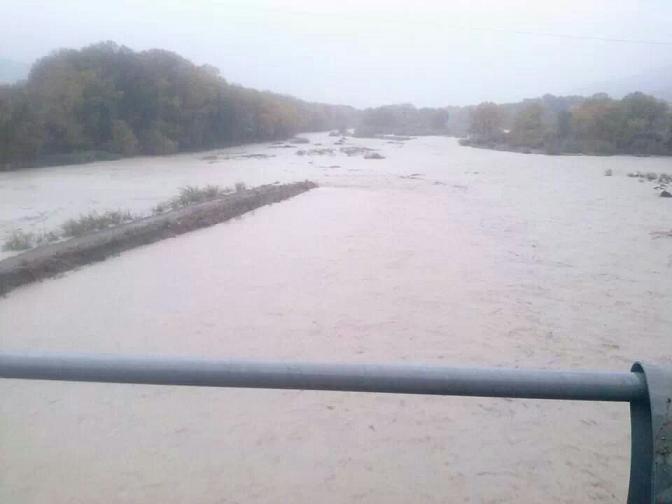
[(437, 254)]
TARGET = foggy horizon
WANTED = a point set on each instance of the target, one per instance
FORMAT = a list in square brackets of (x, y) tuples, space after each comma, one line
[(371, 53)]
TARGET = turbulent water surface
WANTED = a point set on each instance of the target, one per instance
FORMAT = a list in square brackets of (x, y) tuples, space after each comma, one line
[(438, 253)]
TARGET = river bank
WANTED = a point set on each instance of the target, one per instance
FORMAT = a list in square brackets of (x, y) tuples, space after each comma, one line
[(50, 260), (549, 151)]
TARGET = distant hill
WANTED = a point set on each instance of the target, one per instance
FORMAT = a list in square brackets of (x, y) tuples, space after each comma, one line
[(656, 82), (12, 71)]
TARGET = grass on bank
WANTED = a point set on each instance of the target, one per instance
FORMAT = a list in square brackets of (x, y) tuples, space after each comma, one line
[(192, 195), (20, 240), (94, 221)]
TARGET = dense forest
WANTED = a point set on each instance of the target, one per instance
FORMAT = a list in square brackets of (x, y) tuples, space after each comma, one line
[(636, 124), (107, 101)]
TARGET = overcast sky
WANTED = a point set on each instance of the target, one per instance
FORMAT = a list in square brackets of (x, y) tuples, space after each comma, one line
[(368, 52)]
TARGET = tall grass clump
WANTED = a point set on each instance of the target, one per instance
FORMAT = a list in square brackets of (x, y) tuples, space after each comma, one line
[(95, 221), (20, 240), (192, 195), (44, 238)]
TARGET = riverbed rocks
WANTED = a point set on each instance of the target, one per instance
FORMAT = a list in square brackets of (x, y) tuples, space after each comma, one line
[(298, 140), (396, 138), (355, 150), (322, 151), (215, 158), (255, 156), (663, 180)]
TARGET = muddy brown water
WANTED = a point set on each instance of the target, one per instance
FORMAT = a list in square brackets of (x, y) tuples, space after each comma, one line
[(484, 258)]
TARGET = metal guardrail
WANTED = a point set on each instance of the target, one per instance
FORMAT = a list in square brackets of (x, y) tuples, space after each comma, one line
[(647, 388)]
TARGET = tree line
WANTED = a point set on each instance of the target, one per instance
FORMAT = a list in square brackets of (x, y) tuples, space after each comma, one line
[(107, 101), (637, 124), (404, 119)]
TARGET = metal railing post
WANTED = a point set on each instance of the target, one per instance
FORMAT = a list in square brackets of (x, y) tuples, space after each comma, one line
[(651, 452)]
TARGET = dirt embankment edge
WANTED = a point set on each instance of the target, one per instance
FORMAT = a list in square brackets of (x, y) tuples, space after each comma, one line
[(50, 260)]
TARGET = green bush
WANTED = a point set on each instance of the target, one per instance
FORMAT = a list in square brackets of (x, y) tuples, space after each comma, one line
[(155, 142), (598, 147), (123, 139)]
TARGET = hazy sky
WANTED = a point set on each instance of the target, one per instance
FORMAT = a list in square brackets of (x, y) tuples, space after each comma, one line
[(368, 52)]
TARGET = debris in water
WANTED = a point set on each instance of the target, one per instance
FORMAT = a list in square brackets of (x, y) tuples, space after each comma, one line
[(355, 150), (661, 234), (324, 151), (298, 140)]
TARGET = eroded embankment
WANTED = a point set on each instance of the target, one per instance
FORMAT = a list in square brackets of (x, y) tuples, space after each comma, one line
[(50, 260)]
